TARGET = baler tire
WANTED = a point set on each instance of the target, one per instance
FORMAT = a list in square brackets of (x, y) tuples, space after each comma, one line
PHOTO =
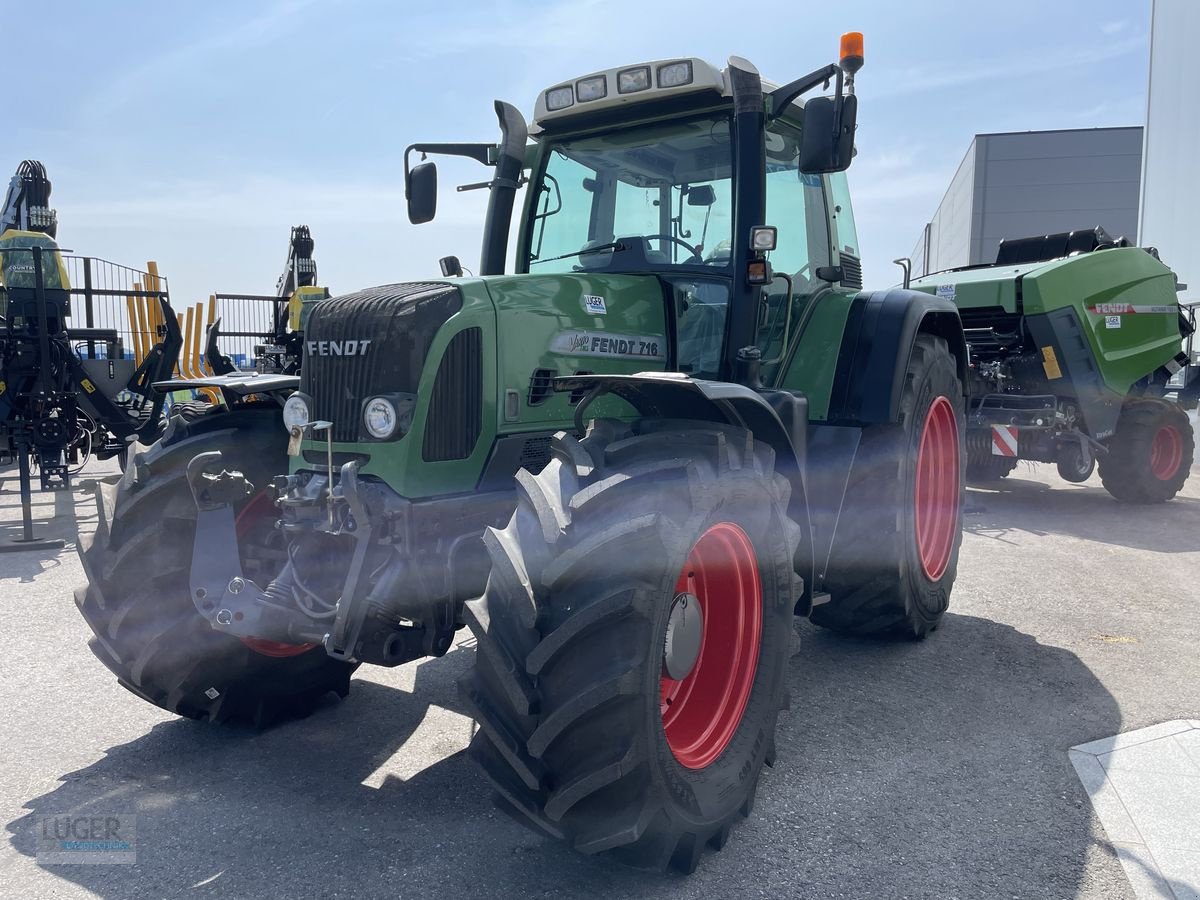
[(877, 580), (1150, 454), (568, 685), (1071, 466), (137, 600)]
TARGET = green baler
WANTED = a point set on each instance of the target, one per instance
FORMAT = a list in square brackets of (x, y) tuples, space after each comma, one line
[(1074, 340)]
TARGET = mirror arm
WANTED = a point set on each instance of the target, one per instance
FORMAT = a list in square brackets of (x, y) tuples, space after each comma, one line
[(481, 153), (781, 97)]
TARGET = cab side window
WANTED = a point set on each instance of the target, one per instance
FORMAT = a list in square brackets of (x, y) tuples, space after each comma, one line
[(796, 207), (844, 231)]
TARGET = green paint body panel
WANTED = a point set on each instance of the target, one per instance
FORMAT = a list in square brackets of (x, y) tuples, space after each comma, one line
[(814, 365), (1125, 285), (547, 322), (528, 322), (542, 323)]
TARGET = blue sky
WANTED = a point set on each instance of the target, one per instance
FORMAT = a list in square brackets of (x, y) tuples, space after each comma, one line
[(197, 134)]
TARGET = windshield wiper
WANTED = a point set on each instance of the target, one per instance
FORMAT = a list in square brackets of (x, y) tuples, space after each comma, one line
[(615, 246)]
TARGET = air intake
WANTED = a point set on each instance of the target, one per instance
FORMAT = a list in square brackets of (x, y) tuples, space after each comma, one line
[(455, 417)]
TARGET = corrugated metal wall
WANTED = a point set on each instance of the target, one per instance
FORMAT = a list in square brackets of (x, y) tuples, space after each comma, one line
[(1026, 183)]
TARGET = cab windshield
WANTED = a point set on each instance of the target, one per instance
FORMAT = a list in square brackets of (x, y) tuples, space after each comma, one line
[(647, 198)]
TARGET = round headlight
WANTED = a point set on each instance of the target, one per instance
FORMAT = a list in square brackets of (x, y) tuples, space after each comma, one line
[(380, 418), (295, 412)]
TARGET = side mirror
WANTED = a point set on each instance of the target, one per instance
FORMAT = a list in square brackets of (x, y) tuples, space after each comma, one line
[(420, 190), (821, 149), (701, 195)]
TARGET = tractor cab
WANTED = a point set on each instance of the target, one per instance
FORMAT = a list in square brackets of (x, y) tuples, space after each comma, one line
[(727, 189)]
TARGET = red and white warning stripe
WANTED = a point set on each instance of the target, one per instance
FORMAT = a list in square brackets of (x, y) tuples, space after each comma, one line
[(1004, 440)]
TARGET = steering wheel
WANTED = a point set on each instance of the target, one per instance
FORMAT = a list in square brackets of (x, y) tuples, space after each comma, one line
[(695, 251)]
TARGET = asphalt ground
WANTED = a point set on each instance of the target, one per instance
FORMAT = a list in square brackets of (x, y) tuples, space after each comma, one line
[(905, 770)]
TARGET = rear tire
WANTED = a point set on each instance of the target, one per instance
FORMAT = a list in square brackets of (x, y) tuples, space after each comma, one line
[(579, 731), (1150, 454), (137, 600), (883, 578)]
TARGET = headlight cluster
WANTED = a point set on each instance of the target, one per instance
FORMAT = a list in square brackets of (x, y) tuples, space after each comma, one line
[(629, 81), (379, 417), (296, 412)]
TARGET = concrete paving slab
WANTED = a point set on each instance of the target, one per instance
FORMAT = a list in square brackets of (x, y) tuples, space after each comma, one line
[(1189, 741), (1130, 739), (1150, 788), (1164, 756), (1143, 872), (1180, 870)]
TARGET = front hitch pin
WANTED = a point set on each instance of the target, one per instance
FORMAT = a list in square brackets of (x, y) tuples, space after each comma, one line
[(327, 427), (314, 427)]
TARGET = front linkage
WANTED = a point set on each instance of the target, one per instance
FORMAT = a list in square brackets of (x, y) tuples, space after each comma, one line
[(397, 600)]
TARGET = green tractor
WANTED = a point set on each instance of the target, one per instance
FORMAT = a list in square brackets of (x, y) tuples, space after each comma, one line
[(626, 466), (1077, 359)]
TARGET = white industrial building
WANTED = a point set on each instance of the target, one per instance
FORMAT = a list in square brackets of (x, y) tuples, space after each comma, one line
[(1170, 212), (1140, 183), (1019, 184)]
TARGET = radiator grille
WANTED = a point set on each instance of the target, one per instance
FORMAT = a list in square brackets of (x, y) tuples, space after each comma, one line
[(400, 321), (455, 416)]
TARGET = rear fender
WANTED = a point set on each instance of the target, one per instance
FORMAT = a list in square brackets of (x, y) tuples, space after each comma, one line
[(876, 346)]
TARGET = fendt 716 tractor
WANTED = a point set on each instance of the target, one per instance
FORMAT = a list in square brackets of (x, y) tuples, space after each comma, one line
[(625, 466), (1074, 340)]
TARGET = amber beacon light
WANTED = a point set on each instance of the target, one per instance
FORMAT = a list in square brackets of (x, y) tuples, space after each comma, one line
[(852, 52)]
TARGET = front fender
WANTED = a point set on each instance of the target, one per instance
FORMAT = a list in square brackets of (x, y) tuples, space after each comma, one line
[(776, 418)]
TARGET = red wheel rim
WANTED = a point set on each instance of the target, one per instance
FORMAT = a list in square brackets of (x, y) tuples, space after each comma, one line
[(701, 712), (1166, 453), (251, 517), (937, 488)]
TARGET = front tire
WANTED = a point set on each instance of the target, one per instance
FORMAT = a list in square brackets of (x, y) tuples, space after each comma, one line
[(1150, 454), (895, 554), (593, 728), (137, 600)]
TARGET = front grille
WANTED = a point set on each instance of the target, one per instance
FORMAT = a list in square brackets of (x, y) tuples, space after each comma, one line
[(455, 416), (400, 320)]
